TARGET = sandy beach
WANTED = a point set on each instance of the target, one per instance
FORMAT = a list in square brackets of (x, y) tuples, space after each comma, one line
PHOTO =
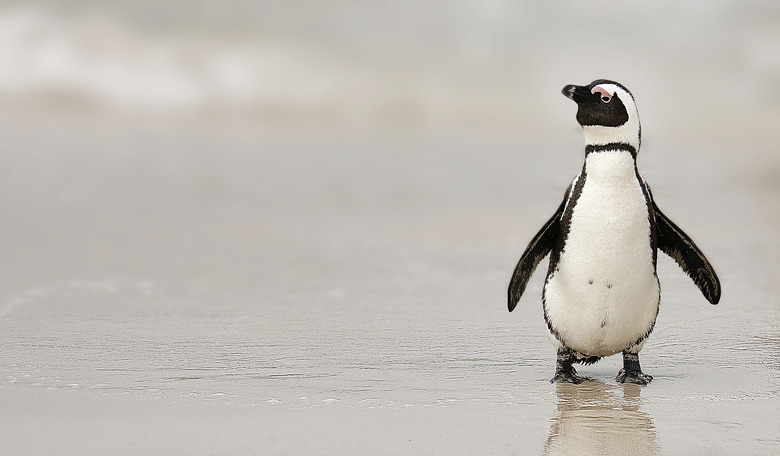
[(288, 228), (230, 309)]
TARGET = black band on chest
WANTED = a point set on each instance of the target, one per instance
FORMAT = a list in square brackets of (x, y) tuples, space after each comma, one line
[(611, 146)]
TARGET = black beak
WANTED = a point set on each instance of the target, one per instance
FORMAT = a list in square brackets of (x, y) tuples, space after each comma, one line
[(576, 93)]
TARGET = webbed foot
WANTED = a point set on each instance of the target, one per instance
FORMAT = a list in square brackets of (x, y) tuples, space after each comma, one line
[(567, 377), (638, 377), (564, 371), (632, 372)]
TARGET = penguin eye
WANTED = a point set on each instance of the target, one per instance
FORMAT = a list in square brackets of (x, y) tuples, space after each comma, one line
[(606, 97)]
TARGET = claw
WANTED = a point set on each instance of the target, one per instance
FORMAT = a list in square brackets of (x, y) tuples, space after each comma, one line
[(637, 377), (567, 377), (564, 371), (632, 372)]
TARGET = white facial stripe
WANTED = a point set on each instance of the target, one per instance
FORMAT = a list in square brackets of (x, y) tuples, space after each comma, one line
[(603, 93), (625, 97), (626, 133)]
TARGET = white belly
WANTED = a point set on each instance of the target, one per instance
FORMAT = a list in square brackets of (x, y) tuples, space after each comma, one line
[(603, 296)]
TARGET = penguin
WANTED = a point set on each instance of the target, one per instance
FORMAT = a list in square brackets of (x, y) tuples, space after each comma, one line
[(601, 295)]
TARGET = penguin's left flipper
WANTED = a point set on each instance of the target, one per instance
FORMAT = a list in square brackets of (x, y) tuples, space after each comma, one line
[(537, 249), (674, 242)]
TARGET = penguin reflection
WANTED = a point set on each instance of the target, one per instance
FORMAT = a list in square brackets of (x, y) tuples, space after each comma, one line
[(591, 419)]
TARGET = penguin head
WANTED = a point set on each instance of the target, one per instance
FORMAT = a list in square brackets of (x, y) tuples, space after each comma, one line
[(607, 112)]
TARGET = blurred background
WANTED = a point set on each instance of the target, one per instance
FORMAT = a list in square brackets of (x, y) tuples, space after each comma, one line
[(303, 202), (356, 64), (283, 140), (274, 134)]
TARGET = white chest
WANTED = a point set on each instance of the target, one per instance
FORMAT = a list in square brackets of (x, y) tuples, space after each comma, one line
[(604, 293), (610, 230)]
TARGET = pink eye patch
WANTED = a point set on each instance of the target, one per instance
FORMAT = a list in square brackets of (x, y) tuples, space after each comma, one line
[(605, 96)]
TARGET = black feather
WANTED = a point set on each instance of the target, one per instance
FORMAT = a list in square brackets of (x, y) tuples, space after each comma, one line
[(674, 242), (537, 249), (587, 360)]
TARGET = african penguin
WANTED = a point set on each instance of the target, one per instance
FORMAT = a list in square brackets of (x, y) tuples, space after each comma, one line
[(602, 292)]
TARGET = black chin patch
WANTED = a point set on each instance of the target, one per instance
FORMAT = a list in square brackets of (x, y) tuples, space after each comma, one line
[(593, 111)]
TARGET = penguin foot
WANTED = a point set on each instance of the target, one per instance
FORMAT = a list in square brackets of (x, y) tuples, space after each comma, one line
[(564, 371), (567, 377), (637, 377), (632, 371)]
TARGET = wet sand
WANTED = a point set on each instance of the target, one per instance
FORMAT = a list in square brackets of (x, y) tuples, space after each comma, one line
[(259, 294)]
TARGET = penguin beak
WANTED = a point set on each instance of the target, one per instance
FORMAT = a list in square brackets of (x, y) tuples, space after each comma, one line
[(576, 93)]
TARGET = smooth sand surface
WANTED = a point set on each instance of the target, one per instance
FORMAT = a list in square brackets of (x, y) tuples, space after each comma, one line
[(244, 293)]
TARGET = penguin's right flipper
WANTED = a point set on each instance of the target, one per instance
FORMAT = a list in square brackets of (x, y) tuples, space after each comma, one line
[(537, 249), (674, 242)]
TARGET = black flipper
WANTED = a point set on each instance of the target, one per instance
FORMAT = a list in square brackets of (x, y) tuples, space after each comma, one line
[(674, 242), (537, 249)]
